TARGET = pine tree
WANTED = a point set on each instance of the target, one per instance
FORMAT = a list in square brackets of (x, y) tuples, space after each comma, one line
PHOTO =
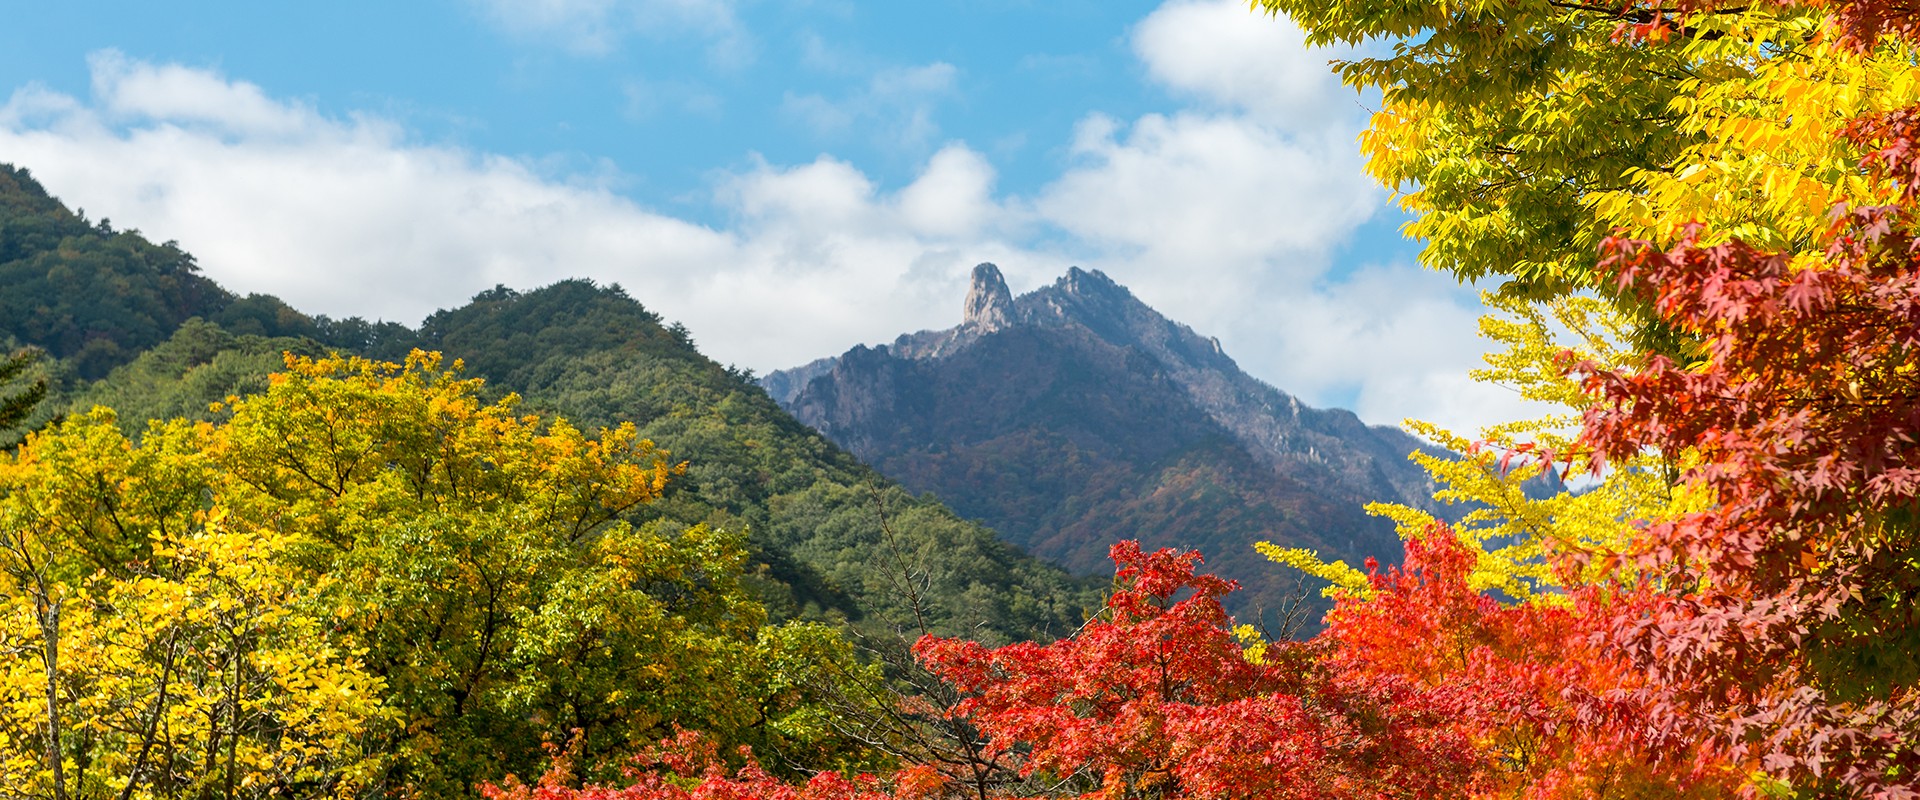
[(17, 404)]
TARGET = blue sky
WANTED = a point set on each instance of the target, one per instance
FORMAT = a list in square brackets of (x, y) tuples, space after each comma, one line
[(667, 106), (788, 178)]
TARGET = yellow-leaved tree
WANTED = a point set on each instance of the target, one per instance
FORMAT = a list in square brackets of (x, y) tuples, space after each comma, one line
[(367, 582), (1522, 134), (1492, 479), (155, 647)]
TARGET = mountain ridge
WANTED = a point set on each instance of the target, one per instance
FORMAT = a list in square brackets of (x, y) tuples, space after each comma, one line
[(1189, 450)]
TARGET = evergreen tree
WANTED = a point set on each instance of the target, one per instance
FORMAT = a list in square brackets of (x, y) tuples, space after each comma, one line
[(17, 402)]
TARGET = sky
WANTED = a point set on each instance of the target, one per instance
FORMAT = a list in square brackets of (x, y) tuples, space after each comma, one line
[(787, 178)]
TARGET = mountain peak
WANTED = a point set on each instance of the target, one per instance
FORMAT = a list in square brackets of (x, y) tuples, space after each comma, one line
[(1082, 282), (989, 305), (1076, 413)]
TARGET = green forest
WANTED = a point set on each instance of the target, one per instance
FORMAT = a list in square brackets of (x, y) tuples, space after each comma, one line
[(540, 548)]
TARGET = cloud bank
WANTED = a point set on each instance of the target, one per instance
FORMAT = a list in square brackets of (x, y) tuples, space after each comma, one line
[(1224, 213)]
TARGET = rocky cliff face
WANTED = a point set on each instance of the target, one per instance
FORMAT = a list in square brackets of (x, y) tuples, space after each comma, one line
[(1076, 415)]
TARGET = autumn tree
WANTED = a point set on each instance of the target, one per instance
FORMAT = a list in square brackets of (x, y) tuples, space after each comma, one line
[(1157, 697), (1521, 135), (1736, 181), (155, 647), (367, 581), (1783, 615)]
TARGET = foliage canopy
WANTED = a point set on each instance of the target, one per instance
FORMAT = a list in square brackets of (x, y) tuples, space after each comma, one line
[(365, 580)]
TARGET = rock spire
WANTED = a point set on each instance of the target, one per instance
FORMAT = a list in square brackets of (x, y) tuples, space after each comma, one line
[(989, 304)]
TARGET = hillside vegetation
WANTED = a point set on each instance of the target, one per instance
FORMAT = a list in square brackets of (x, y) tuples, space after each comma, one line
[(758, 555)]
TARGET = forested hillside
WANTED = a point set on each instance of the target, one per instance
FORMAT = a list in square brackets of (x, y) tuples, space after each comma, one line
[(96, 297), (595, 356)]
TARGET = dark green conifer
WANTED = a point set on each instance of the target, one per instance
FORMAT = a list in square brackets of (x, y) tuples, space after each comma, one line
[(17, 403)]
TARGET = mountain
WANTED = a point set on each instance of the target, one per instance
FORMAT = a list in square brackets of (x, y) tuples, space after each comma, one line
[(133, 325), (1075, 415)]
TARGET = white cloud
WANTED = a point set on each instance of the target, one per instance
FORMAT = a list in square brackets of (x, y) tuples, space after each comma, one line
[(1209, 189), (1226, 215), (825, 195), (1223, 53), (187, 96), (348, 217), (1226, 224), (598, 27), (1401, 339), (1220, 217), (953, 198), (894, 108)]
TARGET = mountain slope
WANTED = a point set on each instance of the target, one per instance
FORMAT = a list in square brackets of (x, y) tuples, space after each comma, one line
[(1076, 415), (832, 530), (142, 331), (95, 297)]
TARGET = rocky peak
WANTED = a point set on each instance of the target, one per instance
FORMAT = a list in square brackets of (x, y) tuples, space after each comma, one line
[(989, 303), (1081, 282), (1145, 427)]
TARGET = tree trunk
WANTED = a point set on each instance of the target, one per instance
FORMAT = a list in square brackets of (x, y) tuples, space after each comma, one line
[(50, 654)]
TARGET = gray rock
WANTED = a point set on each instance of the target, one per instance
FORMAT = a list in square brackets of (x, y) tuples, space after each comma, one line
[(989, 304)]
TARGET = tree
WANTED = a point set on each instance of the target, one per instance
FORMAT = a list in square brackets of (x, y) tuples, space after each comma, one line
[(17, 405), (367, 581), (154, 647), (1783, 615), (1755, 228), (1525, 133), (1560, 712), (1155, 698)]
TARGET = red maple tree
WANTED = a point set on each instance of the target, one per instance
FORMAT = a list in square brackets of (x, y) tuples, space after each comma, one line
[(1154, 698), (1784, 621)]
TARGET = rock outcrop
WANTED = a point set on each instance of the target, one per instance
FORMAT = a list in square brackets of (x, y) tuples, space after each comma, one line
[(989, 304)]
